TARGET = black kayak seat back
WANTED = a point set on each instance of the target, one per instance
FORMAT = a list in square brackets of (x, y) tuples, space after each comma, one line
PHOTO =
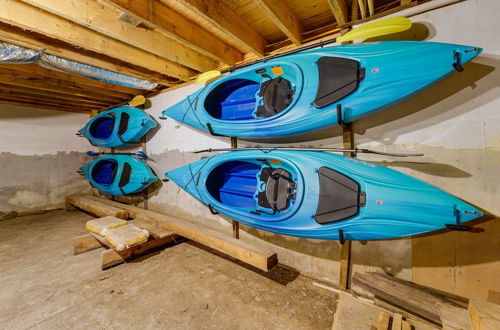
[(124, 119), (340, 197), (279, 189), (102, 128), (126, 173), (338, 77), (277, 95), (104, 172)]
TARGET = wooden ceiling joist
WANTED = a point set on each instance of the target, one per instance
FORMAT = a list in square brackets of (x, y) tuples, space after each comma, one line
[(103, 19), (218, 15), (156, 15), (35, 99), (36, 71), (281, 15), (44, 106), (25, 16), (339, 10), (52, 94), (54, 47)]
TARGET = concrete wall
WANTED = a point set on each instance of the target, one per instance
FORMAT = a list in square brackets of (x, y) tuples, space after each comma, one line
[(456, 125), (39, 156)]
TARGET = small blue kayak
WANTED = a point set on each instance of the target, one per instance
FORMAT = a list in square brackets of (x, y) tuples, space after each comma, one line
[(118, 175), (320, 195), (118, 127), (318, 89)]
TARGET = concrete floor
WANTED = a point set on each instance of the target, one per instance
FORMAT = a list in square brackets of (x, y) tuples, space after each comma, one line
[(43, 285)]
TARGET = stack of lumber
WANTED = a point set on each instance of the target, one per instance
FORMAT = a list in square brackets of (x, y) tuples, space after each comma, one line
[(124, 240), (251, 254), (436, 307)]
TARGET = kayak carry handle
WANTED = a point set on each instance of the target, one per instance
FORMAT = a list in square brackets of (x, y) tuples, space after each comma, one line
[(458, 62), (212, 210), (457, 226)]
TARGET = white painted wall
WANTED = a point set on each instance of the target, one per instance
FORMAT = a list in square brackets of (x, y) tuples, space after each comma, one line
[(39, 156)]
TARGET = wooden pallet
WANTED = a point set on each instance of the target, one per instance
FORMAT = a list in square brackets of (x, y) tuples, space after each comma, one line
[(249, 253)]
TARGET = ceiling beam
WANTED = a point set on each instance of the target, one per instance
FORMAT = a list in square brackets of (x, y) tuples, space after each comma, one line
[(371, 7), (15, 96), (47, 84), (52, 94), (25, 16), (283, 17), (339, 10), (23, 72), (103, 19), (224, 19), (156, 15), (54, 47), (44, 106), (354, 10), (34, 70), (362, 8)]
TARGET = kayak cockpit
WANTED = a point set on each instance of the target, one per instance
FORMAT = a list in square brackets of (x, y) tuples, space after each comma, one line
[(253, 95), (102, 128), (252, 186), (340, 197), (104, 172)]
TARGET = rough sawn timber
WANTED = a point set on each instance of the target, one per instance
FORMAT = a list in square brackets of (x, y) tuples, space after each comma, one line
[(246, 252)]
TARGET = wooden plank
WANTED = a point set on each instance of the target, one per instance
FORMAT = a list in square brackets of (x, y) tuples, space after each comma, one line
[(397, 319), (111, 258), (352, 313), (384, 319), (52, 95), (453, 318), (484, 315), (96, 207), (44, 106), (354, 10), (244, 251), (412, 318), (31, 18), (405, 2), (177, 27), (362, 8), (405, 325), (339, 10), (283, 17), (220, 16), (32, 40), (92, 84), (49, 84), (48, 102), (406, 295), (371, 7), (84, 243), (102, 19)]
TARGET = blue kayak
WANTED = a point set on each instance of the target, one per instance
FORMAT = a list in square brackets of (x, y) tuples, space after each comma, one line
[(319, 195), (118, 127), (318, 89), (119, 174)]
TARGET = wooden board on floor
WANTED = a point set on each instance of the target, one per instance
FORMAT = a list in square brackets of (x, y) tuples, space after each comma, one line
[(416, 299), (244, 251), (111, 258), (96, 207), (84, 243), (484, 315)]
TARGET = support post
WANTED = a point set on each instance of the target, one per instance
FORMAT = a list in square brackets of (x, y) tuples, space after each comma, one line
[(345, 252), (145, 191), (236, 224)]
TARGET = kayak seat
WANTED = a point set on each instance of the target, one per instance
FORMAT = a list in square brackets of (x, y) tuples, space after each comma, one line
[(340, 197), (102, 128), (279, 189), (124, 119), (338, 77), (126, 173), (104, 172), (277, 94), (233, 100), (234, 184)]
